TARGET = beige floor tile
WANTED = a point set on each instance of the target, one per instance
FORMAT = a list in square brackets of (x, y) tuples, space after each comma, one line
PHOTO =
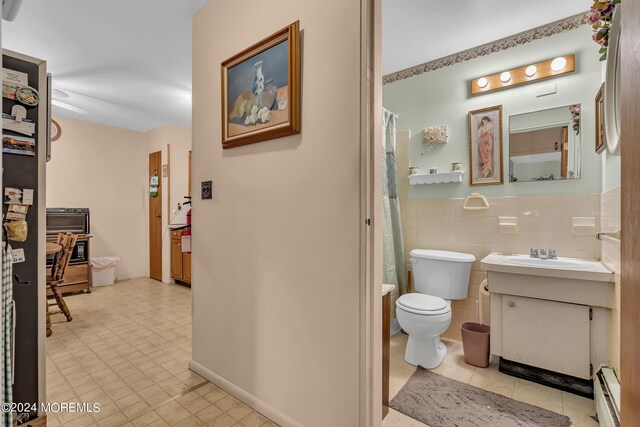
[(209, 413), (82, 421), (538, 395), (128, 348), (191, 421), (227, 403), (215, 395), (578, 409), (223, 420), (145, 420), (176, 416), (240, 411), (254, 419)]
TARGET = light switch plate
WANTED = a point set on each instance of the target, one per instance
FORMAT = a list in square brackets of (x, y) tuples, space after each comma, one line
[(207, 190)]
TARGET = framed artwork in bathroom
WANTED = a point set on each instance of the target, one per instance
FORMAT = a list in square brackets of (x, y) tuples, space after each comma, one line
[(261, 90), (601, 137), (485, 146)]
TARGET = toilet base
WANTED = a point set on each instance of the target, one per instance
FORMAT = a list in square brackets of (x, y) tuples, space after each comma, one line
[(425, 351)]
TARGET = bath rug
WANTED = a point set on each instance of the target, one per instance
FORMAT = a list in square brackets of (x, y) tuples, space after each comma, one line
[(439, 401)]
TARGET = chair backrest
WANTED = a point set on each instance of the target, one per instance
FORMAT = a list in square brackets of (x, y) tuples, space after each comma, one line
[(61, 259)]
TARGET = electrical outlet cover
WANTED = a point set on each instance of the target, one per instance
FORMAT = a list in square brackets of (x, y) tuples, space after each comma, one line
[(207, 190)]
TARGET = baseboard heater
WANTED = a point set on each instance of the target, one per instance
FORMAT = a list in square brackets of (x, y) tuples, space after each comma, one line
[(607, 394), (581, 387)]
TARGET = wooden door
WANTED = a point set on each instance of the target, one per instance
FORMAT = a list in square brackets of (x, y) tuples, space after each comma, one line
[(155, 219), (565, 152), (630, 193)]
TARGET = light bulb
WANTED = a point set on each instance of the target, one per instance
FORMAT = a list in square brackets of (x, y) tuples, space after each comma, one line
[(531, 71), (505, 77), (483, 82), (559, 63)]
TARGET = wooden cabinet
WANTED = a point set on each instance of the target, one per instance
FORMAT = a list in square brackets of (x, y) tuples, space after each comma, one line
[(180, 262)]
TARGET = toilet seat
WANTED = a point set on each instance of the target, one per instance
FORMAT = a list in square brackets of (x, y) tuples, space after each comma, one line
[(424, 305)]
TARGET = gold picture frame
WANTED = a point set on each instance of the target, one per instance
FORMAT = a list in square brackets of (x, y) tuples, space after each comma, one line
[(601, 136), (261, 90), (485, 146)]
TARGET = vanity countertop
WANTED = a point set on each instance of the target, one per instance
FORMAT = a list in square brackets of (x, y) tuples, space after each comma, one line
[(387, 289), (561, 268)]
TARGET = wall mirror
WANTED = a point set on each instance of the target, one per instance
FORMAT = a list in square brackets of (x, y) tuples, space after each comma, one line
[(545, 145)]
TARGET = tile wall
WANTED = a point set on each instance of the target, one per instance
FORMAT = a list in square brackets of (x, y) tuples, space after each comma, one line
[(565, 222), (610, 221)]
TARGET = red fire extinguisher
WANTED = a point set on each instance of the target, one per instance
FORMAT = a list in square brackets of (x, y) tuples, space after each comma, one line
[(185, 235)]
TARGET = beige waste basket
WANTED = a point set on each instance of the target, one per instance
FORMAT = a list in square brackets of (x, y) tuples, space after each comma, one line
[(475, 343)]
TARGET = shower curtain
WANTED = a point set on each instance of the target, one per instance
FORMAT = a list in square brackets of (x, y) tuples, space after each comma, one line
[(394, 270)]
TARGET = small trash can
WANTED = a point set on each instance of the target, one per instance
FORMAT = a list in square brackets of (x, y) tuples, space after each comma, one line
[(103, 270), (475, 344)]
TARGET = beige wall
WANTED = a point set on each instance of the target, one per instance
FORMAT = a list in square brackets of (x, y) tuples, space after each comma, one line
[(100, 168), (610, 222), (276, 267), (543, 222), (179, 139), (106, 169)]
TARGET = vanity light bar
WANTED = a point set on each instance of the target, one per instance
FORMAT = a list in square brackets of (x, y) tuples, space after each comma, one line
[(529, 73)]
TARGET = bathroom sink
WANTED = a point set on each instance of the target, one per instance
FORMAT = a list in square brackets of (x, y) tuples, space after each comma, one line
[(546, 263), (568, 268)]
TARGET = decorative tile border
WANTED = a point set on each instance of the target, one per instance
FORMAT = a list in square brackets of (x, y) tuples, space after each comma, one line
[(496, 46)]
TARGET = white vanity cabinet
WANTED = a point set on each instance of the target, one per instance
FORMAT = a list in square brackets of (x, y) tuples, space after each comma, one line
[(556, 319), (546, 334)]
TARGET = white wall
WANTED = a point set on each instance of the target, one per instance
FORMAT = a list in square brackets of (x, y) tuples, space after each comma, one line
[(101, 168), (179, 139), (106, 169), (276, 252), (442, 97)]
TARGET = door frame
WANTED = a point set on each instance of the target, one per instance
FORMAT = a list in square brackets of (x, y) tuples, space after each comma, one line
[(630, 224), (151, 214), (371, 214)]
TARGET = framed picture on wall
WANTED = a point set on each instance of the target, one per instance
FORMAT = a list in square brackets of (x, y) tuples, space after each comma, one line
[(485, 146), (261, 90), (601, 137)]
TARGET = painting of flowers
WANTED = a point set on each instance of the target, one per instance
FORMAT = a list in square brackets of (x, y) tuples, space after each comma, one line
[(261, 93), (485, 146)]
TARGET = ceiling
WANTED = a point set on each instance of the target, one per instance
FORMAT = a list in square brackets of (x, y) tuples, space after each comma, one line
[(127, 62), (419, 31)]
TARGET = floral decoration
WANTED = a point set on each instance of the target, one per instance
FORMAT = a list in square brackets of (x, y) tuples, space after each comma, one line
[(258, 116), (600, 17), (435, 135), (575, 118)]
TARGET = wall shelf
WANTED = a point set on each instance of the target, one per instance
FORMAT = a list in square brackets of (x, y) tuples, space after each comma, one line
[(436, 178)]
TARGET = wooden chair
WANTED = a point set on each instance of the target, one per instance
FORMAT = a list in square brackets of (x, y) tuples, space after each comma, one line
[(60, 263)]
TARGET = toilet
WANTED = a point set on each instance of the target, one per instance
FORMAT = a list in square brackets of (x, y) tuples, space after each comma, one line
[(439, 277)]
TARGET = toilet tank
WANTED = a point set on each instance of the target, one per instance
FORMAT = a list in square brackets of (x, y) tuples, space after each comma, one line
[(442, 274)]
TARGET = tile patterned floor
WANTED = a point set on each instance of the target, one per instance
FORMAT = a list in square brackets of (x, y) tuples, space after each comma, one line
[(578, 409), (128, 348)]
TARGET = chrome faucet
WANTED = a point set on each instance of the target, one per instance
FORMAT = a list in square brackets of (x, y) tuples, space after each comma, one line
[(543, 253)]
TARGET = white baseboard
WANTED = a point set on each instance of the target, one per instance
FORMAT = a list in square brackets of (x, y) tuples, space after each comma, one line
[(129, 277), (256, 403)]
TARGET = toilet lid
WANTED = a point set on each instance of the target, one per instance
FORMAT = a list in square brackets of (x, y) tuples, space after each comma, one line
[(424, 304)]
